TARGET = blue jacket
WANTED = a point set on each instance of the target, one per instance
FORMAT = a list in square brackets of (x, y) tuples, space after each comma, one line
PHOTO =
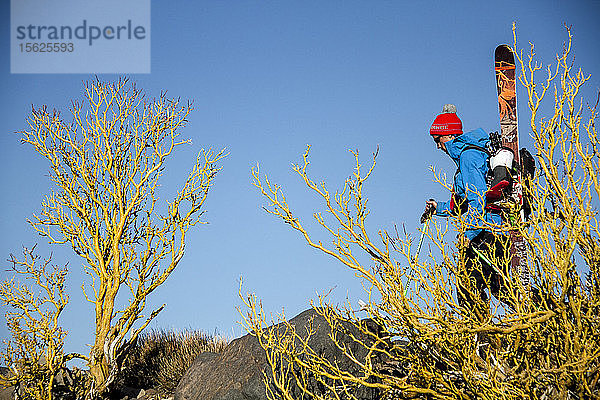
[(470, 179)]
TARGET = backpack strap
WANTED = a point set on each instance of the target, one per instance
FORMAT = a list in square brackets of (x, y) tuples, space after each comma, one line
[(472, 146)]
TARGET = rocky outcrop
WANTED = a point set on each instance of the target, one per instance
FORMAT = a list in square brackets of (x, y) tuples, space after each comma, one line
[(6, 393), (237, 372)]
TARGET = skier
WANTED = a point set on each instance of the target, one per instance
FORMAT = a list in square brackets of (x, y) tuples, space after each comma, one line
[(468, 151)]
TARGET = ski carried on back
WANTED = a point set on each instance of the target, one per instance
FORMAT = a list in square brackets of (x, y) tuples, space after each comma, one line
[(509, 133)]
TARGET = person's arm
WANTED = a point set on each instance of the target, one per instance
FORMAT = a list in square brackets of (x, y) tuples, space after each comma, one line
[(443, 208)]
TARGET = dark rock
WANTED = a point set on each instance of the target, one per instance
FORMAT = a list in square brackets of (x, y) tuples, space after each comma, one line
[(237, 372), (63, 378), (234, 374), (125, 393), (204, 357), (6, 393), (68, 385)]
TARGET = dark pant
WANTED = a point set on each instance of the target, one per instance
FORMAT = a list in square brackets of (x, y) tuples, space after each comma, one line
[(485, 257)]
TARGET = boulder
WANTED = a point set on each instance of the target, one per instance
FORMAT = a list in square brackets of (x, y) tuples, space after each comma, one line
[(234, 374), (6, 393), (237, 372)]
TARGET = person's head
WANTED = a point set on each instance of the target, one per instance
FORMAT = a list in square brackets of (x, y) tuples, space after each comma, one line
[(446, 126), (440, 141)]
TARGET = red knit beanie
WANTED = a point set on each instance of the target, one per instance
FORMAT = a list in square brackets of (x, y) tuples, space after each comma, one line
[(447, 123)]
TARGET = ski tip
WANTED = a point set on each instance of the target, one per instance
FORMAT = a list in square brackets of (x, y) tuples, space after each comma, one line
[(503, 51), (504, 57)]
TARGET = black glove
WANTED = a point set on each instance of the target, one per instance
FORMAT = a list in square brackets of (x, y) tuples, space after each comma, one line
[(430, 207)]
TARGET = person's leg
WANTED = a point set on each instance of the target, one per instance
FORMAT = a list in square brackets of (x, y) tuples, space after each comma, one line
[(471, 287)]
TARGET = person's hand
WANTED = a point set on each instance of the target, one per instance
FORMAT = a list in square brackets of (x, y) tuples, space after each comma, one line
[(430, 207)]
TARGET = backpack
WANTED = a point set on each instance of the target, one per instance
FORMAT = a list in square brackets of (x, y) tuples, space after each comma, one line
[(501, 171)]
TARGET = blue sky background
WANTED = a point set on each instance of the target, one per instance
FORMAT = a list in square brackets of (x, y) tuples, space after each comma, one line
[(268, 78)]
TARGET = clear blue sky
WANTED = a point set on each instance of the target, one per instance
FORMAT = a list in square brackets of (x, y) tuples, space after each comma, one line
[(266, 79)]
